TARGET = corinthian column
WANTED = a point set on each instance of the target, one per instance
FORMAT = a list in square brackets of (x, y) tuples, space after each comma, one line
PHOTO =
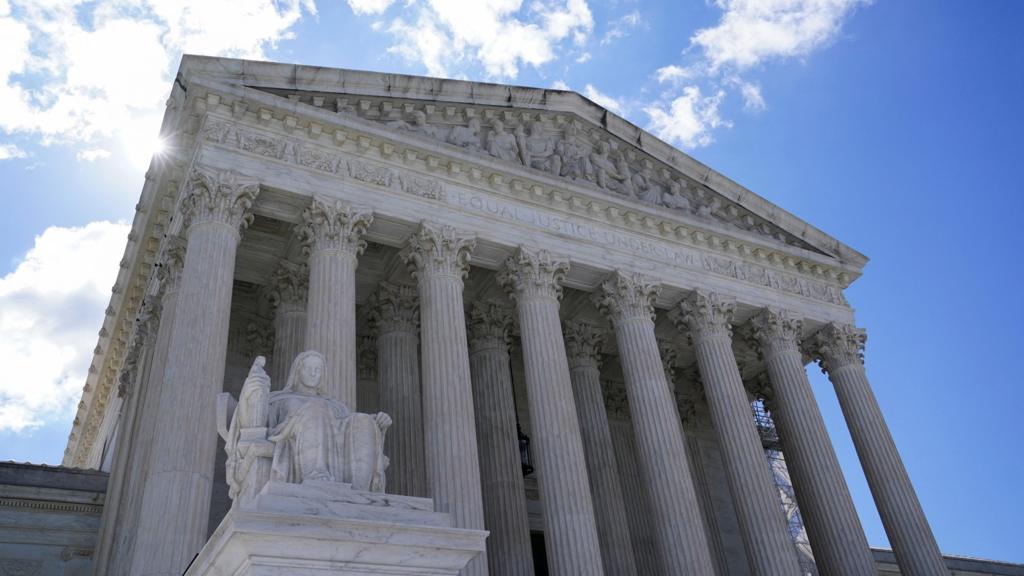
[(501, 476), (836, 535), (175, 509), (333, 235), (288, 287), (583, 346), (628, 300), (707, 317), (438, 257), (634, 493), (570, 531), (840, 349), (394, 316)]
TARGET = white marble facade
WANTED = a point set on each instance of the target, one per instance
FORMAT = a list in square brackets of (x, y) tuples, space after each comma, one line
[(482, 262)]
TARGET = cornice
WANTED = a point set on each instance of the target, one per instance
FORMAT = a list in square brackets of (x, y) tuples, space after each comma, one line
[(387, 160), (135, 280), (319, 81)]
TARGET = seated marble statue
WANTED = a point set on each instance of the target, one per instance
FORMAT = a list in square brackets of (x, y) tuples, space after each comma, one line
[(299, 434)]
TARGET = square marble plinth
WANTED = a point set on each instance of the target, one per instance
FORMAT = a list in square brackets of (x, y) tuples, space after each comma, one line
[(321, 528)]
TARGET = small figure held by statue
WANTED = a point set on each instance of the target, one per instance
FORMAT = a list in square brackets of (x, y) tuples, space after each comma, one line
[(298, 434)]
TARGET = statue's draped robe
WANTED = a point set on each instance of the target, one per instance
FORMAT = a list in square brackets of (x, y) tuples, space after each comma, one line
[(321, 439)]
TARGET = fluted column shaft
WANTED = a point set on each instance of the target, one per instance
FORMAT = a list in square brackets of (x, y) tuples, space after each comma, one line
[(394, 315), (917, 553), (583, 345), (509, 552), (570, 528), (289, 340), (762, 522), (175, 509), (127, 447), (628, 300), (127, 522), (332, 232), (634, 493), (288, 288), (438, 256), (836, 535)]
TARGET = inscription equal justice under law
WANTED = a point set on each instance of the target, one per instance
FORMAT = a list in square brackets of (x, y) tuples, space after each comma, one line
[(567, 227)]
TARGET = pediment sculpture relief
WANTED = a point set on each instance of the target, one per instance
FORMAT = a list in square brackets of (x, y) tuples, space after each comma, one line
[(565, 149), (298, 434)]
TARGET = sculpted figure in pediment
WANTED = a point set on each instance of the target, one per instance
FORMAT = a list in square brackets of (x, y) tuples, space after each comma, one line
[(647, 188), (675, 198), (502, 144), (298, 434), (417, 124), (467, 136), (572, 158), (537, 150), (611, 173)]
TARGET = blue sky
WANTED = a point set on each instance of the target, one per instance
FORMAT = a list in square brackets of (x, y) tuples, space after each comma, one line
[(892, 125)]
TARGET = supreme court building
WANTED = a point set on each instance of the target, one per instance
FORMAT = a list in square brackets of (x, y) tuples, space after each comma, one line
[(591, 345)]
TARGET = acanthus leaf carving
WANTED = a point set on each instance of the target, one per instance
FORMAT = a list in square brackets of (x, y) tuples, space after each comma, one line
[(584, 343), (530, 273), (775, 331), (704, 315), (838, 345), (330, 224), (438, 250), (288, 286), (627, 295), (488, 325), (222, 196), (394, 308)]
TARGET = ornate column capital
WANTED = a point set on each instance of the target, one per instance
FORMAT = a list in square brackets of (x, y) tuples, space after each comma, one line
[(259, 337), (148, 320), (170, 265), (838, 345), (394, 308), (221, 196), (288, 286), (330, 224), (627, 296), (488, 325), (705, 315), (669, 357), (533, 273), (616, 401), (583, 343), (439, 250), (366, 358), (774, 331)]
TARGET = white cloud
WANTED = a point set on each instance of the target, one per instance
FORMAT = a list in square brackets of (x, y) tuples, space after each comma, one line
[(50, 306), (11, 151), (621, 27), (673, 74), (560, 85), (369, 6), (603, 99), (689, 119), (93, 154), (77, 72), (752, 31), (499, 35), (753, 101)]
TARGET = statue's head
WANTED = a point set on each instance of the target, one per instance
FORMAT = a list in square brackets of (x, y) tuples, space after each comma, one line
[(307, 373)]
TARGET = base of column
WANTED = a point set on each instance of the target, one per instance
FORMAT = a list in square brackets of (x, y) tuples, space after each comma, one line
[(326, 528)]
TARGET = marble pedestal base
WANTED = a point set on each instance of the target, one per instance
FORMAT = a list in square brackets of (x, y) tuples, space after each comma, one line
[(320, 528)]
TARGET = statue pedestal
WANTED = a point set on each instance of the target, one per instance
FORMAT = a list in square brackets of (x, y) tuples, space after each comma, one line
[(326, 528)]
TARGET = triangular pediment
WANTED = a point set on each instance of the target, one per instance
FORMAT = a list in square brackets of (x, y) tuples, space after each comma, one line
[(552, 133)]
